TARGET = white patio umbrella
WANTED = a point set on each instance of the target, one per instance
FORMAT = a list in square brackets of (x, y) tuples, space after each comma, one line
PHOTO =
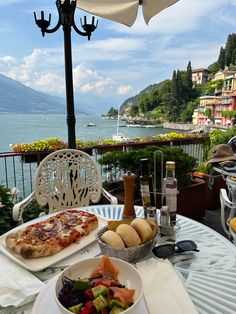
[(124, 11)]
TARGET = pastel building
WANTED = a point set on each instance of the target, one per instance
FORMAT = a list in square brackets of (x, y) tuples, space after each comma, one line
[(199, 76), (224, 100)]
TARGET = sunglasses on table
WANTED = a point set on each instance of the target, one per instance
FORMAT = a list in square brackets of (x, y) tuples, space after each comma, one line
[(169, 249)]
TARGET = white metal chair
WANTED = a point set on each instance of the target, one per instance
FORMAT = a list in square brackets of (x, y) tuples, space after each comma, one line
[(231, 205), (228, 198), (66, 178)]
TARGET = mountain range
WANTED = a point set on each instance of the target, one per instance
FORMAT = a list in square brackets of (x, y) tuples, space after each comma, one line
[(15, 97)]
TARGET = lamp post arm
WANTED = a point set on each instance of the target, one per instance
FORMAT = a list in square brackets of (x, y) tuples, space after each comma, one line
[(79, 31), (43, 24), (54, 29)]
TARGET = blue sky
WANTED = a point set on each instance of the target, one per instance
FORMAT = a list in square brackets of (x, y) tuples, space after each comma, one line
[(119, 61)]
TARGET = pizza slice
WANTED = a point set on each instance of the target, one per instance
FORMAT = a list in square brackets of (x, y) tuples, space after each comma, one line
[(52, 235)]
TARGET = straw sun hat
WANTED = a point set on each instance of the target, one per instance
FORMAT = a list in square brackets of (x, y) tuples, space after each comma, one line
[(219, 153)]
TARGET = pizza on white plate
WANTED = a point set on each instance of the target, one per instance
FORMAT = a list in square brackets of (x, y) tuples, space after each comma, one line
[(53, 234)]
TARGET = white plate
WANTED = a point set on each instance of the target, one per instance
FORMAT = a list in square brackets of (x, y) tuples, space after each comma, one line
[(37, 264), (46, 304)]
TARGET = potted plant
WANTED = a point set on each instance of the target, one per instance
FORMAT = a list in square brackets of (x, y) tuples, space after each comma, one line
[(123, 161), (7, 197), (214, 181), (86, 145)]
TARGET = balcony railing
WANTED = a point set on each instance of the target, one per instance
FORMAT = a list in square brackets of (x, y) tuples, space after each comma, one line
[(18, 169)]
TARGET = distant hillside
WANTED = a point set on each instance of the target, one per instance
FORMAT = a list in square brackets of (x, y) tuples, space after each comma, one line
[(131, 101), (175, 99), (18, 98)]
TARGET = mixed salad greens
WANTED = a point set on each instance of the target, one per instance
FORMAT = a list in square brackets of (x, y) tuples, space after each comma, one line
[(102, 293)]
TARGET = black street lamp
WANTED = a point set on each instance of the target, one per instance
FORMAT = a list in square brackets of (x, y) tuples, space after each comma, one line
[(66, 11)]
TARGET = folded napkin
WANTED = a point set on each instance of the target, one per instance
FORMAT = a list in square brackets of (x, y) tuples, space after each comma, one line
[(17, 285), (163, 288)]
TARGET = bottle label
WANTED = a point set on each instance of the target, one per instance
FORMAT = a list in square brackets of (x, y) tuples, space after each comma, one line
[(145, 191), (171, 194)]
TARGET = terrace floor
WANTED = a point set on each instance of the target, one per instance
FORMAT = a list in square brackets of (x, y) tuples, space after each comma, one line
[(212, 220)]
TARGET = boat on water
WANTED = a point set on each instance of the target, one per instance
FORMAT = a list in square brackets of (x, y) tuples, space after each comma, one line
[(119, 136), (91, 124)]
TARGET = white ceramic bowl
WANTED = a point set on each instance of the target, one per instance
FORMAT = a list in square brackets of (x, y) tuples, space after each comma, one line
[(128, 276)]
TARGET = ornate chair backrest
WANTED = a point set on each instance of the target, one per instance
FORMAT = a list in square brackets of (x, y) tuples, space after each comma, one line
[(232, 143), (67, 178)]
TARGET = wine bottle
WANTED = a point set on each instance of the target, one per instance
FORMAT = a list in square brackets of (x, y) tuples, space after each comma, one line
[(146, 184), (170, 190)]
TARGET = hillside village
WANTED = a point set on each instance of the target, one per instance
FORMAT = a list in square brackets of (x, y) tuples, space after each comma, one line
[(203, 96), (220, 108)]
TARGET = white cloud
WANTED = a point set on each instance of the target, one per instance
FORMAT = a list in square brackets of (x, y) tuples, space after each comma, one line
[(41, 70), (87, 80), (8, 61), (86, 88), (50, 83), (124, 89), (110, 49)]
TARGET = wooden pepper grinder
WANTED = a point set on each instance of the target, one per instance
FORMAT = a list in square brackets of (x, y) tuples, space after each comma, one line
[(129, 181)]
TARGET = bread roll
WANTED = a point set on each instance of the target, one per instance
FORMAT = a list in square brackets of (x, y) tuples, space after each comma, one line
[(129, 235), (142, 227), (112, 239)]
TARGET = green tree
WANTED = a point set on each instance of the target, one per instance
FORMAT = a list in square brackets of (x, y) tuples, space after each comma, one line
[(133, 110), (234, 57), (221, 59), (187, 113), (208, 113), (143, 103), (189, 82), (174, 87), (229, 48), (179, 85), (112, 112)]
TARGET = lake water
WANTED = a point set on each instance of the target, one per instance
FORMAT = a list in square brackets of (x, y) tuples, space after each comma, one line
[(27, 128)]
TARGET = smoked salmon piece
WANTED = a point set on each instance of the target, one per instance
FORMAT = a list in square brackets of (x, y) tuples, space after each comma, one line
[(123, 295), (106, 269)]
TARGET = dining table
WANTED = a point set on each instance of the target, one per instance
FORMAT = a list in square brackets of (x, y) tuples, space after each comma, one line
[(209, 275)]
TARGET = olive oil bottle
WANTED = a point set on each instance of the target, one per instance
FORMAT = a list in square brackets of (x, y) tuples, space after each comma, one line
[(146, 185)]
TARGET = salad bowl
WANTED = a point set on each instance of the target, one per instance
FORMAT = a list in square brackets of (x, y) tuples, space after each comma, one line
[(128, 276)]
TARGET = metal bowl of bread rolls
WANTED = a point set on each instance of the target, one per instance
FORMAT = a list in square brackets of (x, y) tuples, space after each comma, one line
[(129, 240)]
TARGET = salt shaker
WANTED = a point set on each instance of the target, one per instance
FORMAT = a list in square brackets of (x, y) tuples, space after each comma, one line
[(165, 217)]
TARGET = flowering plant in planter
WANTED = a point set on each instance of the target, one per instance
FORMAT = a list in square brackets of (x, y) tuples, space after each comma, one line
[(85, 143), (8, 198), (50, 144)]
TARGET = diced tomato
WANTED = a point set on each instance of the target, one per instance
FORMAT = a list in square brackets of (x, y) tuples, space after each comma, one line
[(88, 294), (88, 308), (104, 311)]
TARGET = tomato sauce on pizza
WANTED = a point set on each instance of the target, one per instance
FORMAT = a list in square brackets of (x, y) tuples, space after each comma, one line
[(53, 234)]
